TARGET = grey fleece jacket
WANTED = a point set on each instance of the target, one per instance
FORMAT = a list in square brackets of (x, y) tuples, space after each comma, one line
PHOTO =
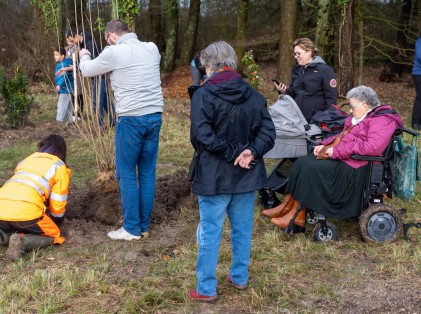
[(134, 74)]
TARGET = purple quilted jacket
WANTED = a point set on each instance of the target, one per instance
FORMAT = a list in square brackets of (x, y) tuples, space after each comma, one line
[(369, 137)]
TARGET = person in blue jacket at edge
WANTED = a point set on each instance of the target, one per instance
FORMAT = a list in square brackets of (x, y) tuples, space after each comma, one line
[(416, 74)]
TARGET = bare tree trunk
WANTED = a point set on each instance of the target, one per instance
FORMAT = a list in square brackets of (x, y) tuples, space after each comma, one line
[(361, 47), (155, 17), (119, 12), (41, 43), (191, 32), (418, 15), (321, 39), (286, 38), (58, 31), (171, 21), (346, 60), (243, 7), (402, 41)]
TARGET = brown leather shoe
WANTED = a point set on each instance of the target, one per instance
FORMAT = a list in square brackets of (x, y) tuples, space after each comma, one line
[(283, 222), (280, 210)]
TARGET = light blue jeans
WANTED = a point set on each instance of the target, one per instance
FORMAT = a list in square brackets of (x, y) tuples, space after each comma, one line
[(239, 208), (136, 151), (64, 108)]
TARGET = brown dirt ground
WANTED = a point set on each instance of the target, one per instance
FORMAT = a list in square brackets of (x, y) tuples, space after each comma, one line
[(97, 209)]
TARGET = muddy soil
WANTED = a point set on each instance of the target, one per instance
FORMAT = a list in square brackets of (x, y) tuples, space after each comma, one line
[(96, 209), (93, 211)]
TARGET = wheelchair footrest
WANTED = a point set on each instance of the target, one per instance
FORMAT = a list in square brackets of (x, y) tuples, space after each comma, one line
[(406, 228)]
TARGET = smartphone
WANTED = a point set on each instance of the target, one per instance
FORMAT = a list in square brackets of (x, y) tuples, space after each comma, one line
[(276, 81)]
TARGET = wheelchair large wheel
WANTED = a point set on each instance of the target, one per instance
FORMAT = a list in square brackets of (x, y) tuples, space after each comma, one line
[(381, 223), (324, 234)]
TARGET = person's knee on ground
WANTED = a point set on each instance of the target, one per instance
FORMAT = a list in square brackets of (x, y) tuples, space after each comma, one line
[(4, 238), (19, 244)]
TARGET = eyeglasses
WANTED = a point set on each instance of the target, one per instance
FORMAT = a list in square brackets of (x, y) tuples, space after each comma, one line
[(352, 107), (297, 54)]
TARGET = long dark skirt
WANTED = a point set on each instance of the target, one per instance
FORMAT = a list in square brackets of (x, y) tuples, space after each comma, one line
[(328, 187)]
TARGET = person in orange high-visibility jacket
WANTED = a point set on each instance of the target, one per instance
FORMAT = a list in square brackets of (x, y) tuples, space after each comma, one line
[(33, 202)]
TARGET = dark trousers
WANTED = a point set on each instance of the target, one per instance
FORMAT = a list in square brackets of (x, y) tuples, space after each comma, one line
[(101, 99), (416, 110)]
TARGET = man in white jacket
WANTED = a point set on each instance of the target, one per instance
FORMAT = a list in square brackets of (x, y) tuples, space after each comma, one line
[(135, 80)]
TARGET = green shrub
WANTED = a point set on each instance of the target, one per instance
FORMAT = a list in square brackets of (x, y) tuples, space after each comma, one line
[(252, 70), (16, 102)]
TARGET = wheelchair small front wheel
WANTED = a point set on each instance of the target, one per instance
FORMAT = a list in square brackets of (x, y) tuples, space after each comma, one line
[(326, 233), (381, 223), (312, 217)]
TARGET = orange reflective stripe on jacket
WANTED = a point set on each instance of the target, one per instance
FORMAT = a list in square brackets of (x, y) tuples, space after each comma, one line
[(38, 178)]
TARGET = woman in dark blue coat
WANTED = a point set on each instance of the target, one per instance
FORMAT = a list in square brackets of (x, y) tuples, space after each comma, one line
[(313, 82), (231, 130)]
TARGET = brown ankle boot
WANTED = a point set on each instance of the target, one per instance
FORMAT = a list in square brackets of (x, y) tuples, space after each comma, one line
[(280, 210), (283, 222)]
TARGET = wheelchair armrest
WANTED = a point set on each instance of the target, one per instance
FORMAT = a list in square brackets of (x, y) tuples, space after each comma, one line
[(413, 133), (368, 158)]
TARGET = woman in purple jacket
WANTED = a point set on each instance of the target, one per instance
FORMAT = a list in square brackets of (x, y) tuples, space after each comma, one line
[(333, 186)]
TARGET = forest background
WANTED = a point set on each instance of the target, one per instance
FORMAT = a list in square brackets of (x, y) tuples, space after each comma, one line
[(349, 33)]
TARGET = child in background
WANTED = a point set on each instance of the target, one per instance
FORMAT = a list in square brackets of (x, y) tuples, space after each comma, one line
[(64, 87), (71, 49)]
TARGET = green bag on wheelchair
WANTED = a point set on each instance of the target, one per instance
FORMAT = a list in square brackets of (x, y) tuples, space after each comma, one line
[(405, 168)]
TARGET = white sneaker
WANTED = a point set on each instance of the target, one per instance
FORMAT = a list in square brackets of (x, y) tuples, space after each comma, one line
[(122, 234)]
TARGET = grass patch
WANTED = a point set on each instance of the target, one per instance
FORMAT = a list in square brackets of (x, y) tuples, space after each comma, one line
[(287, 273)]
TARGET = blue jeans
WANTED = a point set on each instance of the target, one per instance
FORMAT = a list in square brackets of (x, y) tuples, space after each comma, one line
[(105, 105), (239, 209), (136, 151)]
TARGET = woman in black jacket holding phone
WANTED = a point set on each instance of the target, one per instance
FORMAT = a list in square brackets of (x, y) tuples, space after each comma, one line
[(313, 82)]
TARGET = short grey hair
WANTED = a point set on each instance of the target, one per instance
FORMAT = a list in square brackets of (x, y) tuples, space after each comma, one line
[(116, 26), (218, 55), (364, 94)]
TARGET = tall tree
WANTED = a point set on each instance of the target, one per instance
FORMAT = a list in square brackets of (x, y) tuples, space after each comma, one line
[(171, 26), (361, 46), (286, 37), (191, 32), (243, 7), (346, 60), (155, 31), (52, 15), (417, 15), (125, 10), (403, 41), (321, 39)]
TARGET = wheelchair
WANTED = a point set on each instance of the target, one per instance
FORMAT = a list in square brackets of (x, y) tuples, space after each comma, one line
[(378, 222)]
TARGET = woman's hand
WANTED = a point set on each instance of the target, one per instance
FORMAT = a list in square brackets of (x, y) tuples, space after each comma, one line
[(317, 149), (282, 88), (329, 151), (243, 160)]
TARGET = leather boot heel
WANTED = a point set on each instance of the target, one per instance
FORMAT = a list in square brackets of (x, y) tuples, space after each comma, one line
[(285, 221), (280, 210)]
